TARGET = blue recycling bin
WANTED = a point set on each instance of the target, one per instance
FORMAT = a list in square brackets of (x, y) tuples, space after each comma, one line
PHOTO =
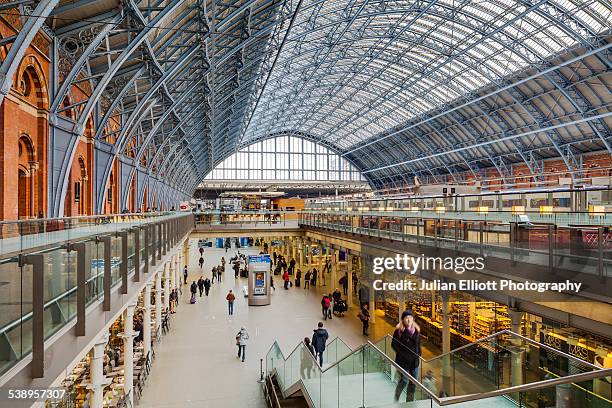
[(219, 242)]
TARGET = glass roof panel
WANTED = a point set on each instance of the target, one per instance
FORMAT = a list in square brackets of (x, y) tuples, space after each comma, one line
[(368, 66)]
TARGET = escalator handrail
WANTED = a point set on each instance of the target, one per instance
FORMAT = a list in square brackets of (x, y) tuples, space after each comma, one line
[(496, 334), (589, 375), (585, 376)]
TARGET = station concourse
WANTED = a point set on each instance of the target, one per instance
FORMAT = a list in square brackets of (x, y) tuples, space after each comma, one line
[(429, 179)]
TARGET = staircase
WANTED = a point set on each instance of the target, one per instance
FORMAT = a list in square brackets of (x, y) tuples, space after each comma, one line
[(367, 377)]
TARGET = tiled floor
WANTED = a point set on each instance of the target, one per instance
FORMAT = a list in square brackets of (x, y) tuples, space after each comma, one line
[(196, 363)]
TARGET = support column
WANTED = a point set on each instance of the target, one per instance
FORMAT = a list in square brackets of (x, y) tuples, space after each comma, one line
[(96, 374), (517, 351), (320, 281), (300, 253), (146, 320), (333, 269), (185, 254), (167, 281), (309, 255), (446, 366), (349, 269), (128, 352), (158, 301)]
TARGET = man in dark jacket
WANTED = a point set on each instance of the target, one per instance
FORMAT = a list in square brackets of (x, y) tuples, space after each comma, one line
[(319, 338), (206, 286), (407, 345), (236, 269), (201, 285)]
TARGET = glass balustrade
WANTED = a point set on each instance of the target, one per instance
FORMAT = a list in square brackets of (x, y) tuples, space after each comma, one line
[(511, 377), (59, 262)]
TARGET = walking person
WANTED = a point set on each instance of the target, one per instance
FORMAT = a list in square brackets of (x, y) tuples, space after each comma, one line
[(219, 273), (230, 302), (308, 355), (407, 345), (214, 274), (194, 289), (307, 280), (298, 278), (325, 305), (201, 251), (286, 280), (344, 282), (364, 316), (201, 262), (206, 286), (201, 285), (313, 278), (228, 244), (241, 341), (236, 268), (319, 338), (291, 266), (185, 273), (223, 263)]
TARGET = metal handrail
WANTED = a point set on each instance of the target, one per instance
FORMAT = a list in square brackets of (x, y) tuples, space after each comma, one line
[(82, 217), (28, 315), (589, 375), (502, 391), (497, 334)]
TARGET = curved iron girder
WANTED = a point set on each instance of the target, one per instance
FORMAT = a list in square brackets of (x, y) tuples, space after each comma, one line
[(399, 33), (22, 42), (139, 111), (496, 91), (79, 127)]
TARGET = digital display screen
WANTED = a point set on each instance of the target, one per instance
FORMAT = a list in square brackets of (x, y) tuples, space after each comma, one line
[(260, 283)]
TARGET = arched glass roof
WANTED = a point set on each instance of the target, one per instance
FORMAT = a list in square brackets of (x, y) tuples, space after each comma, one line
[(400, 88), (351, 70), (285, 158)]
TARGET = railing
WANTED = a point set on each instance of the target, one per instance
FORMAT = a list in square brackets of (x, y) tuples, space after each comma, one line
[(23, 235), (103, 255), (369, 376), (586, 249)]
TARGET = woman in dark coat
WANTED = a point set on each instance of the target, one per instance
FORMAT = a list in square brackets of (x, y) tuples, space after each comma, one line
[(407, 345)]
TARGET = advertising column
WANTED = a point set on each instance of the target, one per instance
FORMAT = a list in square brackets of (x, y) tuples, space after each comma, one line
[(259, 280)]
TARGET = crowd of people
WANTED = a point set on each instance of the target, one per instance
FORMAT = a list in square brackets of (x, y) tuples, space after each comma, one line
[(406, 336)]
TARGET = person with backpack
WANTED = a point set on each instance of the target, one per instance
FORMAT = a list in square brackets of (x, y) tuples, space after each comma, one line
[(214, 274), (186, 272), (319, 338), (325, 306), (286, 280), (201, 262), (219, 272), (206, 286), (201, 251), (407, 345), (307, 280), (194, 290), (241, 340), (230, 302), (201, 285)]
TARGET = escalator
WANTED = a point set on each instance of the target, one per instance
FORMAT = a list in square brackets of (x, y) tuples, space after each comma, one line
[(502, 370)]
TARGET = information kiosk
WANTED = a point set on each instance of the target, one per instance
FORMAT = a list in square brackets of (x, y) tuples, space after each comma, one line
[(259, 280)]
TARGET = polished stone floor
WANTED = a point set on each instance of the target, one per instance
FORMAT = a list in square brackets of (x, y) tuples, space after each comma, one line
[(197, 364)]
